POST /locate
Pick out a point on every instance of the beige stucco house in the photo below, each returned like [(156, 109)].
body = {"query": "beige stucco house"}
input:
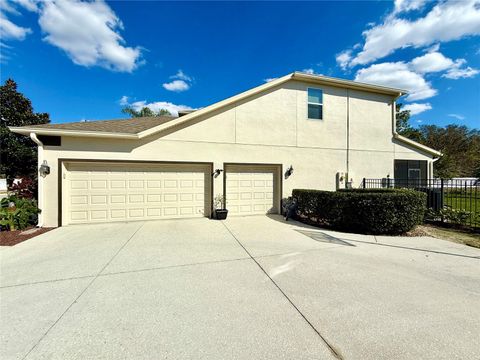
[(327, 130)]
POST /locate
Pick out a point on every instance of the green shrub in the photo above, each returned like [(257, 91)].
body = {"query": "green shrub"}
[(17, 213), (382, 211), (363, 191), (449, 215)]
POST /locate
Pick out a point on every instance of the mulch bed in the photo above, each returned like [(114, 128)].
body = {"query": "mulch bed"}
[(10, 238)]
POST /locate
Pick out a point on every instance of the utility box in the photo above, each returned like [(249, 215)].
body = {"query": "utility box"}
[(341, 180), (349, 181), (434, 199)]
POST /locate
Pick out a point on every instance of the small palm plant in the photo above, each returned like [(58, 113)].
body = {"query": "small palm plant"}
[(219, 205)]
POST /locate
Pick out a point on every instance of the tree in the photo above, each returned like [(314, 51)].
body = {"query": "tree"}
[(18, 153), (403, 124), (460, 147), (145, 112)]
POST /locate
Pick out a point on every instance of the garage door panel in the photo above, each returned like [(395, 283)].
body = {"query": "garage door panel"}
[(118, 199), (108, 192), (154, 184), (79, 199), (118, 214), (79, 185), (251, 189)]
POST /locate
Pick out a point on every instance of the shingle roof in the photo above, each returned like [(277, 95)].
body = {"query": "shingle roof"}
[(125, 126)]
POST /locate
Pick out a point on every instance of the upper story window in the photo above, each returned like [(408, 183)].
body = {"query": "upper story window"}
[(315, 104)]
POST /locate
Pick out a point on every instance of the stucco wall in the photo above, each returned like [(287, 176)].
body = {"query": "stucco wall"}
[(268, 128)]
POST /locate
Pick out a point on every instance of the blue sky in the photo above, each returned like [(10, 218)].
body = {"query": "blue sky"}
[(85, 60)]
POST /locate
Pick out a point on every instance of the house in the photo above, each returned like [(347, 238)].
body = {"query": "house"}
[(298, 131)]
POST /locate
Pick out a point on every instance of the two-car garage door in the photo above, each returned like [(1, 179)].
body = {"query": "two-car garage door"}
[(109, 192)]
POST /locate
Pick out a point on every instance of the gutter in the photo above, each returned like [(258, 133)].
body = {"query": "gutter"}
[(40, 179), (349, 84), (58, 132)]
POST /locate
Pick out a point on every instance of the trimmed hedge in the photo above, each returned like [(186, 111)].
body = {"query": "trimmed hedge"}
[(369, 211)]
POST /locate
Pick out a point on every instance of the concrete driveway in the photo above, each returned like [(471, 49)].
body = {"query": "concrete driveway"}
[(246, 288)]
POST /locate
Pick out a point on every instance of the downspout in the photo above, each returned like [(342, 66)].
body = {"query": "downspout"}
[(394, 131), (431, 166), (35, 139), (348, 135)]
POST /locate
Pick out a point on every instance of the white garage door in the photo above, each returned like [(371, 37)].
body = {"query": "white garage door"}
[(251, 189), (106, 192)]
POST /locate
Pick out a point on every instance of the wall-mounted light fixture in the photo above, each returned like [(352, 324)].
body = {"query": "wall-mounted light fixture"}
[(289, 172), (44, 169), (216, 172)]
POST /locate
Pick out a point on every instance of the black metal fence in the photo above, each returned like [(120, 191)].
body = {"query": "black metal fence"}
[(454, 201)]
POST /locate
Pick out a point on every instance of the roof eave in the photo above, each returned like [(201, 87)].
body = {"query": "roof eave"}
[(74, 133), (349, 84), (418, 145)]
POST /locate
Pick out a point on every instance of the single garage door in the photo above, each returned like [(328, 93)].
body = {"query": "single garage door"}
[(252, 189), (109, 192)]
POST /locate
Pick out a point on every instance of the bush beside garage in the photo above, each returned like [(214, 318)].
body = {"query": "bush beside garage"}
[(367, 211)]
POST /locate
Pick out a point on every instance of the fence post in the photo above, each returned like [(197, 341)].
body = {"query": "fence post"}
[(364, 183), (442, 194)]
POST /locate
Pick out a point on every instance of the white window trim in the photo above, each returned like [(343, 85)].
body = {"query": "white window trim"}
[(308, 102)]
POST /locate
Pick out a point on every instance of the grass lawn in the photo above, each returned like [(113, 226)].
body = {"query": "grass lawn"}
[(468, 200), (455, 235)]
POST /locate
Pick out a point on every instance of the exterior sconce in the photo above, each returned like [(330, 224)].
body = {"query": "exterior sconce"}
[(44, 169), (289, 172), (216, 172)]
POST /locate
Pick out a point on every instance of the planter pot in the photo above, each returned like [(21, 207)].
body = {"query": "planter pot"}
[(221, 214)]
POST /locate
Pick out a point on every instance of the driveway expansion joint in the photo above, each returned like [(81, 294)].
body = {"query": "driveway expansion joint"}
[(335, 352), (172, 266), (47, 281)]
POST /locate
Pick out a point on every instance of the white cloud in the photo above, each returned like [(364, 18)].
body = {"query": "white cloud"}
[(270, 79), (408, 5), (433, 48), (308, 71), (446, 21), (417, 108), (431, 62), (181, 76), (30, 5), (88, 32), (176, 85), (8, 29), (344, 58), (457, 116), (11, 31), (435, 62), (410, 76), (123, 100), (399, 75), (181, 83), (457, 73), (7, 7), (157, 106)]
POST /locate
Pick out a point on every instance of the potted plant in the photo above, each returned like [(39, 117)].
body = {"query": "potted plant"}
[(220, 211)]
